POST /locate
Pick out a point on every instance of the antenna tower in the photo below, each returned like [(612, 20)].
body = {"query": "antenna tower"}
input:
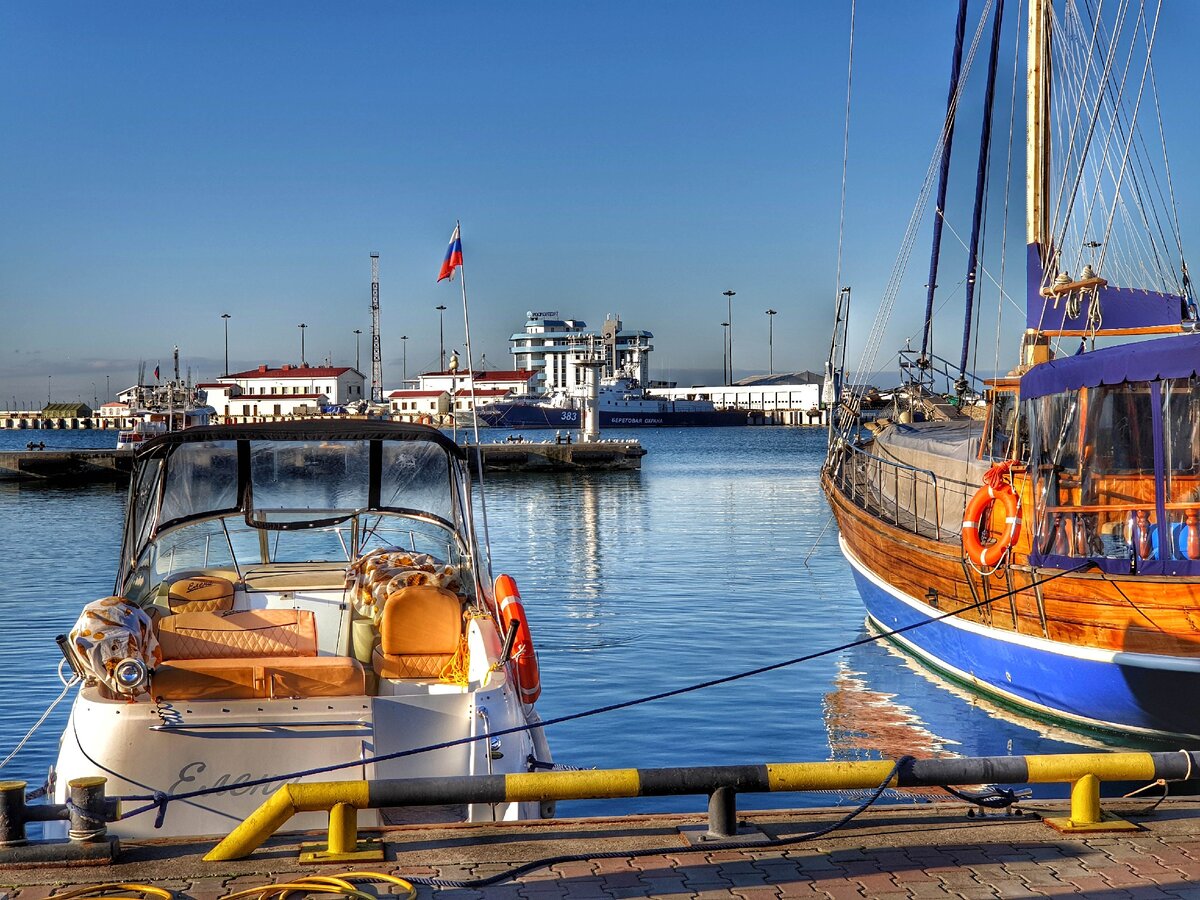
[(376, 353)]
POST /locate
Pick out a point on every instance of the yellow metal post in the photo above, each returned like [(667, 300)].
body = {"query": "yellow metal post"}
[(343, 845), (1086, 814)]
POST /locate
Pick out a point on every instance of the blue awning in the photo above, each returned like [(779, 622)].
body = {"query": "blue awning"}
[(1177, 356)]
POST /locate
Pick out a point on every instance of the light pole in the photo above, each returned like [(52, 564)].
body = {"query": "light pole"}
[(95, 399), (771, 313), (729, 295), (226, 317), (49, 378), (725, 352), (107, 388), (303, 364), (357, 345), (404, 370), (441, 338)]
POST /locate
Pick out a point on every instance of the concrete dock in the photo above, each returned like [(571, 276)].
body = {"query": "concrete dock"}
[(69, 466), (889, 852)]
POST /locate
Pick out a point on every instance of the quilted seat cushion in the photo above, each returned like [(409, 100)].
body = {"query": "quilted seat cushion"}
[(200, 593), (259, 679), (248, 634)]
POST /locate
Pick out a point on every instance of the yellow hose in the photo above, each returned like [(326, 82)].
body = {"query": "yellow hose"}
[(328, 884), (99, 889)]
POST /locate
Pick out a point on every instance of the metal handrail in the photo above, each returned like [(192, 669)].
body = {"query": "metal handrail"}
[(842, 474)]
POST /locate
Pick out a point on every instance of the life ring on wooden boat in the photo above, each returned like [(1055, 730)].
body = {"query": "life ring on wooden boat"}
[(529, 680), (973, 521)]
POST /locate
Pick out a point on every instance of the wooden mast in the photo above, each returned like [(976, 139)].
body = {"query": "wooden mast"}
[(1037, 151), (1039, 244)]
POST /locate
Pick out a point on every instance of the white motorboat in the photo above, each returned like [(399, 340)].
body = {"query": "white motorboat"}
[(295, 596)]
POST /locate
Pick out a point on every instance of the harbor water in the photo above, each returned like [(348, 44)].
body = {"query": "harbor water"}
[(716, 558)]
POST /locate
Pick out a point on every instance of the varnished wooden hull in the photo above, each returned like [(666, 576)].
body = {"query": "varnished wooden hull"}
[(1094, 650)]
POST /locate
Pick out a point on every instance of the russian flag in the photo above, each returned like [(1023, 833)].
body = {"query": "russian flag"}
[(453, 257), (156, 373)]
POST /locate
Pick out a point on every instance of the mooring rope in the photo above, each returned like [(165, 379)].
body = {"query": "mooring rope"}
[(158, 801)]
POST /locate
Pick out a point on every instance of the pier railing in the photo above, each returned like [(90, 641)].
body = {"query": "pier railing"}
[(342, 799), (905, 496)]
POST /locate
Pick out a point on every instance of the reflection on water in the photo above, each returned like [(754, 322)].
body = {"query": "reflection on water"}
[(635, 583)]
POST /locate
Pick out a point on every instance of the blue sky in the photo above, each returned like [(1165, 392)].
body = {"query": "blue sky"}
[(165, 163)]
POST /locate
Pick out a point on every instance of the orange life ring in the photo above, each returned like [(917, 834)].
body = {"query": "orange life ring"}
[(973, 521), (528, 679)]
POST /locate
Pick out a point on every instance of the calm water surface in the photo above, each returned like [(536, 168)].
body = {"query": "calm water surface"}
[(635, 583)]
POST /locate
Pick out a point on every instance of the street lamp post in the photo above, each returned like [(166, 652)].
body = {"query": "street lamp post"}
[(49, 378), (226, 317), (108, 388), (771, 313), (404, 370), (725, 352), (357, 349), (729, 295), (441, 338), (303, 364)]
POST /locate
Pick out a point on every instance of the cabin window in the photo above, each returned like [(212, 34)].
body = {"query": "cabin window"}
[(1001, 427), (1181, 452)]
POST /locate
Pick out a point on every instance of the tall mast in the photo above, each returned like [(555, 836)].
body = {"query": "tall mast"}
[(1037, 151)]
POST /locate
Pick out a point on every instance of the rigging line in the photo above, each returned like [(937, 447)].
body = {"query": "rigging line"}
[(1166, 161), (1012, 119), (845, 151), (1146, 241), (1065, 211), (1075, 121), (981, 178), (986, 271), (939, 205), (595, 711), (899, 266), (1112, 130), (1136, 107)]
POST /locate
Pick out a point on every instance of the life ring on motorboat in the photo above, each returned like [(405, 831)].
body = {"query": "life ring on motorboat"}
[(529, 680), (973, 520)]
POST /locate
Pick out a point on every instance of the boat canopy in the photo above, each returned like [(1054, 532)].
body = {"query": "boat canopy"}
[(1170, 357)]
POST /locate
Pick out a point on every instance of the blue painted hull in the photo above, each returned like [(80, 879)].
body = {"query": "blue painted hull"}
[(1114, 691)]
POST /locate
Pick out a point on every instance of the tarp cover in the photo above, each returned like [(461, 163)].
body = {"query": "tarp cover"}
[(1177, 356)]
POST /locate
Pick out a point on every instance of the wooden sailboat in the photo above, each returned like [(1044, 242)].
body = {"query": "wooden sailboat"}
[(1043, 546)]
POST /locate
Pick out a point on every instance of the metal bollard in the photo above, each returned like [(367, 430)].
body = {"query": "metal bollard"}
[(722, 814), (12, 813), (86, 809)]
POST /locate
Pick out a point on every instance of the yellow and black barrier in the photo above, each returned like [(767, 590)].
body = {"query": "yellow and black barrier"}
[(1083, 771)]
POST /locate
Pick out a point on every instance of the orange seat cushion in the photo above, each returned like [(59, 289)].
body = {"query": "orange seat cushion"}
[(200, 593), (419, 632), (258, 679), (248, 634), (409, 665)]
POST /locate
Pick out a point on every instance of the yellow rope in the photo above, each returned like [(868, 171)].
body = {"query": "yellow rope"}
[(456, 670)]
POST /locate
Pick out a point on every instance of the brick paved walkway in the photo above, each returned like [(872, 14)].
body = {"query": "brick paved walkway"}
[(887, 854)]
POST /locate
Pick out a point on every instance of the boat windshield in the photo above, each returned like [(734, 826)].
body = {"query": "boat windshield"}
[(239, 502)]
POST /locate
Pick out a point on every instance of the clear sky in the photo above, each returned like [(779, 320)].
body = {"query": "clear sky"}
[(164, 163)]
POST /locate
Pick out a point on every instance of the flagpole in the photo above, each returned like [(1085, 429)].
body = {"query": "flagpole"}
[(487, 541)]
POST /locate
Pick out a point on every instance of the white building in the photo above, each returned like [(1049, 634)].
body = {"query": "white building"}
[(276, 393), (553, 348), (414, 405), (512, 381)]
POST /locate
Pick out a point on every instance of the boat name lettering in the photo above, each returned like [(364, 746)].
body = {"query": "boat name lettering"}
[(189, 771)]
